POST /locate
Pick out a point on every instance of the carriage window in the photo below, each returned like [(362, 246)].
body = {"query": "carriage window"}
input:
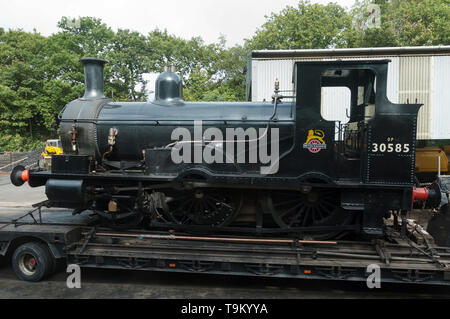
[(335, 103)]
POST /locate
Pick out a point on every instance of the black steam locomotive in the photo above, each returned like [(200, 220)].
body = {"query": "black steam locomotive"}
[(276, 167)]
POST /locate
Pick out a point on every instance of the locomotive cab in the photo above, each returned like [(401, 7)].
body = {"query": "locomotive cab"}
[(369, 131)]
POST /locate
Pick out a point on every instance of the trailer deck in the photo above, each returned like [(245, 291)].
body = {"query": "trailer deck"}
[(398, 257)]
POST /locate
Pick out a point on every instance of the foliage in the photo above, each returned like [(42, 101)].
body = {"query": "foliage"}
[(403, 23), (22, 83), (316, 26), (19, 143), (307, 26)]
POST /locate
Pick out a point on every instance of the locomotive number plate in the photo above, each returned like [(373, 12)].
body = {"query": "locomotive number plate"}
[(390, 148)]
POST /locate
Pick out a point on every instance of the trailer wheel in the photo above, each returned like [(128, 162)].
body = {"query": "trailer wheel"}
[(32, 261)]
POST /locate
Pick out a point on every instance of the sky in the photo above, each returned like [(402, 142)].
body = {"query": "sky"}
[(235, 19)]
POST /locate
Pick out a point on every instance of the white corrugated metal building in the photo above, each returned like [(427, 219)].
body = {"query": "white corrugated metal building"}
[(421, 73)]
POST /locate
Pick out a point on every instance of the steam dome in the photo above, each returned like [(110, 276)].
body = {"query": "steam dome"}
[(169, 89)]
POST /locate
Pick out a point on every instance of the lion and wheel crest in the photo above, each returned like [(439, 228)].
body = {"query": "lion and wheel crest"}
[(314, 142)]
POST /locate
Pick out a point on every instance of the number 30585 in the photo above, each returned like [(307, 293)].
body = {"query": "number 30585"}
[(390, 148)]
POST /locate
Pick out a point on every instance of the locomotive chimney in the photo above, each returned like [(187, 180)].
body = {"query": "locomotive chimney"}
[(93, 78)]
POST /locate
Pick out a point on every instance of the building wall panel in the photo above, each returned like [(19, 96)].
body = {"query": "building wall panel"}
[(414, 87), (440, 96), (264, 74)]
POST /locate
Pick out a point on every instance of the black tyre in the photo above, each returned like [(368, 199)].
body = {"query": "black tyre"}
[(32, 261)]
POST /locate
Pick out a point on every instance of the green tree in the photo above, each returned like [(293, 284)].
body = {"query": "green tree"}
[(185, 55), (85, 36), (231, 74), (403, 23), (307, 26), (210, 72), (21, 87), (130, 57)]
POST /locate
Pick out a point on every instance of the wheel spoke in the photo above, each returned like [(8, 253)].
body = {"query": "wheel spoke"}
[(205, 207), (289, 210), (211, 204), (318, 213), (324, 208), (305, 219), (292, 201), (296, 218), (330, 204)]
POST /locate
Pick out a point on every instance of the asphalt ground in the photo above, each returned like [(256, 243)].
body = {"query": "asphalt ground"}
[(124, 284), (120, 284)]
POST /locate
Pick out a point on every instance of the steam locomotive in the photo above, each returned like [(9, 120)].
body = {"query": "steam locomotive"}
[(272, 167)]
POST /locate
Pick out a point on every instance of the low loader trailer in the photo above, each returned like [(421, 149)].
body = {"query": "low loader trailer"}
[(405, 255)]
